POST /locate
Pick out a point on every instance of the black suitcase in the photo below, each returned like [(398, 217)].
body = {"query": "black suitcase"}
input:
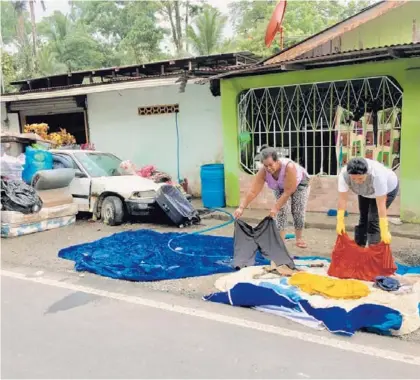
[(176, 207)]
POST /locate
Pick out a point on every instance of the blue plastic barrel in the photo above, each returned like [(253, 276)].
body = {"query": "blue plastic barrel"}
[(213, 185)]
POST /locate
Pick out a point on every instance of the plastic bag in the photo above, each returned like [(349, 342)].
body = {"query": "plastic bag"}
[(352, 261), (36, 160), (12, 167), (20, 197)]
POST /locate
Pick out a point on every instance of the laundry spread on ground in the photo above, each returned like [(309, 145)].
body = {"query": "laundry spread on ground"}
[(144, 255), (147, 255), (329, 287), (396, 313), (264, 238), (352, 261)]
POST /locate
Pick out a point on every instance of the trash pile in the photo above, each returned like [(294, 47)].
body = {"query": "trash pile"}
[(18, 196), (25, 207)]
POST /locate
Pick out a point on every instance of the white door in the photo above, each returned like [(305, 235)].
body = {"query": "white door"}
[(80, 189), (80, 186)]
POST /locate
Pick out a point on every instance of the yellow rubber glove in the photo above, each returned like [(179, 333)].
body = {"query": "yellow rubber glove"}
[(341, 228), (385, 234)]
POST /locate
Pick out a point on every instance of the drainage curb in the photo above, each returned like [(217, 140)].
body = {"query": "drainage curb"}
[(317, 225)]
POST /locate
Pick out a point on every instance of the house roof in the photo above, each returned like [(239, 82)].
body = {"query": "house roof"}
[(326, 35), (75, 90), (326, 60), (194, 65)]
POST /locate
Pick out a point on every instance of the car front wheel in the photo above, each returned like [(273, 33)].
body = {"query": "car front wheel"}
[(112, 211)]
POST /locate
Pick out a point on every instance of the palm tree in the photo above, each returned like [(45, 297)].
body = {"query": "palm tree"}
[(20, 9), (206, 33), (24, 57), (48, 64), (57, 28), (34, 33)]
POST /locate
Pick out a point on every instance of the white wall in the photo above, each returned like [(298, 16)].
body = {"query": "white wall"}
[(13, 120), (115, 126)]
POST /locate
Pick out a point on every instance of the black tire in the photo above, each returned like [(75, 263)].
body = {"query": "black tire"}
[(112, 211)]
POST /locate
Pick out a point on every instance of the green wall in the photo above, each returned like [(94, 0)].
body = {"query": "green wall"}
[(405, 71), (392, 28)]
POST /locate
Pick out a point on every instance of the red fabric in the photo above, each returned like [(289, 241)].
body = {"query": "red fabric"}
[(146, 171), (352, 261)]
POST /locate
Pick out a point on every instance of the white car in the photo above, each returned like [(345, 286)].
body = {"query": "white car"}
[(101, 189)]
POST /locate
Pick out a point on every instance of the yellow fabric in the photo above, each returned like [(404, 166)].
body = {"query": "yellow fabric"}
[(341, 228), (385, 234), (329, 287)]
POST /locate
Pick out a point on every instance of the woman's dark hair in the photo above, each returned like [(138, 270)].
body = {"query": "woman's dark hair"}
[(357, 166), (268, 152)]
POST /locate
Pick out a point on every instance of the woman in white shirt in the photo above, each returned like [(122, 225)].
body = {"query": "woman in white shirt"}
[(376, 187)]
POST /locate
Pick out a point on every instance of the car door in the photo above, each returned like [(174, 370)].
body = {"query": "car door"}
[(80, 186)]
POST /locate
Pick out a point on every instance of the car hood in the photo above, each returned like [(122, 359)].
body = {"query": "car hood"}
[(122, 185)]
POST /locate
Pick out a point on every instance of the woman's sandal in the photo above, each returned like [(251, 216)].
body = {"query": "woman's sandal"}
[(301, 244)]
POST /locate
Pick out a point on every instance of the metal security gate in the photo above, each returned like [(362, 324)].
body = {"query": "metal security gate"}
[(71, 104), (322, 125), (68, 112)]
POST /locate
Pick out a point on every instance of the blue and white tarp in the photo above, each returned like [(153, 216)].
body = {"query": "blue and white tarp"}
[(382, 312)]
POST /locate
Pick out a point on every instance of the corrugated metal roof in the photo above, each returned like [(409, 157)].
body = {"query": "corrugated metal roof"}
[(90, 89), (336, 30), (327, 60), (367, 51), (190, 64)]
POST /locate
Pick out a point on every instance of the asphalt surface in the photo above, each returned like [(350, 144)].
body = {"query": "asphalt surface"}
[(57, 323), (57, 332)]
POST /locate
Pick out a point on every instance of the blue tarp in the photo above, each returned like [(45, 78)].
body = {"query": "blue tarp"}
[(377, 318), (144, 255)]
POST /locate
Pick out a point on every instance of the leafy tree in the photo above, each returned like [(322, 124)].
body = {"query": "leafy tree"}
[(8, 71), (302, 19), (34, 31), (48, 63), (206, 33), (178, 15), (127, 30), (70, 42)]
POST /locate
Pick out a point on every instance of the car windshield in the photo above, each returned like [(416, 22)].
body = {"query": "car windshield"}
[(99, 164)]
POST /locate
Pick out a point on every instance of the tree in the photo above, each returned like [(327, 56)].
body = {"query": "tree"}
[(302, 19), (70, 42), (34, 32), (8, 71), (20, 10), (206, 34), (178, 18), (129, 29), (48, 64)]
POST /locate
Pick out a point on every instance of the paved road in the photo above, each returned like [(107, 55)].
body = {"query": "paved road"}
[(61, 329)]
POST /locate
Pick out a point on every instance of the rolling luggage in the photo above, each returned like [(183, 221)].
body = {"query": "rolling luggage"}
[(176, 206)]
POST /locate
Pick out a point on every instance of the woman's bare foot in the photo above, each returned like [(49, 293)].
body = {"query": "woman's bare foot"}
[(300, 243)]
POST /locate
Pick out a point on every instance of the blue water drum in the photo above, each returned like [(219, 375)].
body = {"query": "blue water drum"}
[(213, 185)]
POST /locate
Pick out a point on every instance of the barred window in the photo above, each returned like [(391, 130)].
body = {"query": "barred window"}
[(322, 125)]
